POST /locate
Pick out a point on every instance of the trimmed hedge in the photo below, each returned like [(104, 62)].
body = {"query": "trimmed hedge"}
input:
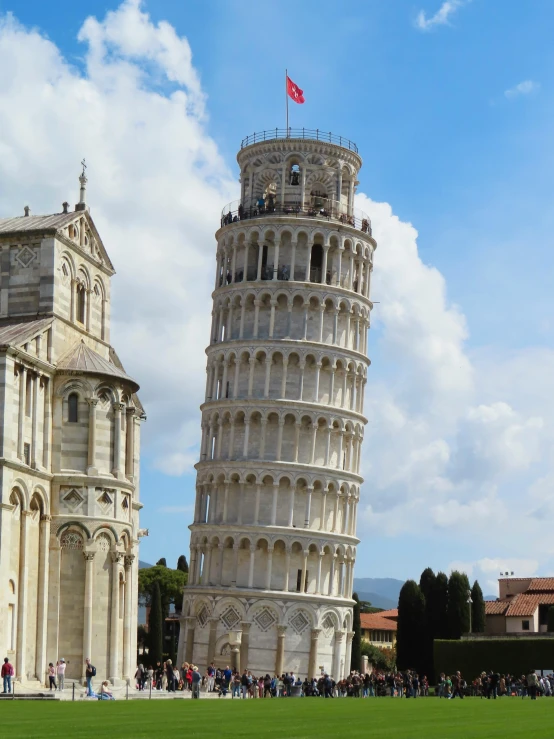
[(516, 656)]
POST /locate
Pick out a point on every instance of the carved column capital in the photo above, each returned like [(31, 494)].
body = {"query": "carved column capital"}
[(281, 631), (129, 559), (88, 556), (116, 557)]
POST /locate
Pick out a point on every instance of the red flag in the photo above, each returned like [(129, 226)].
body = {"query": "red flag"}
[(294, 91)]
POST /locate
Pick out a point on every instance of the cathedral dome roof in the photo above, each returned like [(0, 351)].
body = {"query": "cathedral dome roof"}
[(82, 359)]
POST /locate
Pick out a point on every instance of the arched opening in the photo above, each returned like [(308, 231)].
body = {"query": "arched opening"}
[(316, 263), (81, 303), (73, 408)]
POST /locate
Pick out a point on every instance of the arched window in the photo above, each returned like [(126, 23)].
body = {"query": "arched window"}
[(81, 303), (73, 408)]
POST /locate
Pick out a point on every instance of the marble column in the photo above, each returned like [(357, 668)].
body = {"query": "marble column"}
[(21, 642), (244, 644), (117, 409), (89, 600), (280, 654), (34, 422), (91, 468), (312, 659), (212, 639), (127, 618), (130, 443), (21, 416), (251, 565), (348, 657), (337, 649), (46, 434), (191, 623), (114, 617), (269, 568), (42, 600)]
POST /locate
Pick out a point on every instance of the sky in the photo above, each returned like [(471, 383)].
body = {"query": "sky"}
[(451, 105)]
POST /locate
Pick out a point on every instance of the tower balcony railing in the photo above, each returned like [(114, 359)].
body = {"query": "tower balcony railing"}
[(310, 134), (317, 207)]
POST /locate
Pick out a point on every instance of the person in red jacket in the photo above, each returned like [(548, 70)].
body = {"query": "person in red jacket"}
[(7, 674)]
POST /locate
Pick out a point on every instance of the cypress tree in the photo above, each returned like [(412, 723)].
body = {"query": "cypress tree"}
[(477, 609), (438, 609), (182, 564), (162, 562), (458, 606), (155, 626), (356, 658), (427, 585), (426, 582), (550, 619), (411, 622)]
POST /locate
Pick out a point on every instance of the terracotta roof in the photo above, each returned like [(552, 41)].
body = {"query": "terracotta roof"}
[(83, 359), (496, 607), (377, 621), (18, 333), (391, 613), (541, 584)]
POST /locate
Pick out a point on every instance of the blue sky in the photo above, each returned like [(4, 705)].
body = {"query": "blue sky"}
[(452, 112)]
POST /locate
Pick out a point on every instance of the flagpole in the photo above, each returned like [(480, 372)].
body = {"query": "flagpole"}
[(287, 99)]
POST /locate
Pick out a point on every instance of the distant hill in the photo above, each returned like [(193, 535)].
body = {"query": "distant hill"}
[(381, 592), (143, 565)]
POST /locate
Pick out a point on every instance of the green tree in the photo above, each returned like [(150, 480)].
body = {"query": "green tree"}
[(477, 609), (458, 606), (155, 626), (356, 657), (426, 582), (437, 612), (380, 659), (411, 624), (162, 562), (427, 585), (182, 564), (170, 583)]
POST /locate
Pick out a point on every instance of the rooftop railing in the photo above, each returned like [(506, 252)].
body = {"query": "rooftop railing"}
[(299, 133), (317, 207)]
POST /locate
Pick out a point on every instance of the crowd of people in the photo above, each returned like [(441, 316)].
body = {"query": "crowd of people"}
[(377, 684)]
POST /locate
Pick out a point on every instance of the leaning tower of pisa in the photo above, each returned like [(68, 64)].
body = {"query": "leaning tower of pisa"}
[(273, 542)]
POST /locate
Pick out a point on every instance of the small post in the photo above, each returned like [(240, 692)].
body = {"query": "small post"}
[(150, 698), (127, 691), (73, 695)]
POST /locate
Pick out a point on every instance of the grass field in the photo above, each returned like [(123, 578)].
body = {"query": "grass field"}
[(291, 719)]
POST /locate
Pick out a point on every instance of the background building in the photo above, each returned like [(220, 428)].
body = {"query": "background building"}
[(69, 449), (378, 629), (522, 607), (273, 541)]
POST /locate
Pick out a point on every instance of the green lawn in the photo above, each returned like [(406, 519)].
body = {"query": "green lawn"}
[(304, 718)]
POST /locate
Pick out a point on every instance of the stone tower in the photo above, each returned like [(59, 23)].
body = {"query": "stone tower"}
[(69, 449), (273, 542)]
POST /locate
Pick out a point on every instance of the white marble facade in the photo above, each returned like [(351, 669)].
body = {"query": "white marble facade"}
[(69, 447), (273, 542)]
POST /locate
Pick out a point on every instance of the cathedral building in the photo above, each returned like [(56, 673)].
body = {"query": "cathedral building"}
[(69, 454), (273, 541)]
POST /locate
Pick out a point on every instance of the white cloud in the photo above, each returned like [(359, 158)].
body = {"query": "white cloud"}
[(441, 17), (487, 570), (156, 188), (523, 88)]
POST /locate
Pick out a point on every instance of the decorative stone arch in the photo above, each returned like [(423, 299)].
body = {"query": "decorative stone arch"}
[(329, 621), (78, 385), (40, 494), (106, 389), (222, 611), (83, 530), (20, 489), (110, 532)]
